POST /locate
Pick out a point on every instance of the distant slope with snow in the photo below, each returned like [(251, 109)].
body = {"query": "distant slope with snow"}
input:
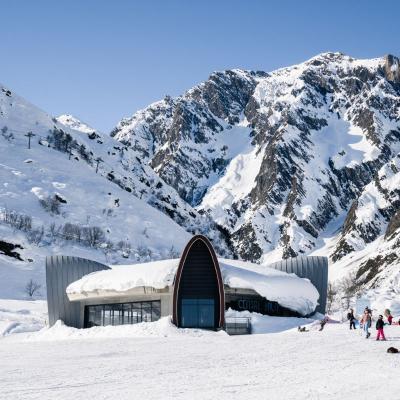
[(299, 160), (276, 158), (53, 201)]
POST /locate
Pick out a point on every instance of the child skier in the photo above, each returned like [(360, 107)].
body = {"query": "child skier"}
[(379, 327)]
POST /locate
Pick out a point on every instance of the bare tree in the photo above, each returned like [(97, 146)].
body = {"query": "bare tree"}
[(93, 235), (32, 288), (54, 230), (144, 252), (173, 253), (7, 136), (36, 235), (348, 288), (107, 248), (51, 204), (18, 221), (331, 296)]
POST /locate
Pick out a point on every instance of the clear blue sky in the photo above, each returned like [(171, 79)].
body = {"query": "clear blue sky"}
[(103, 60)]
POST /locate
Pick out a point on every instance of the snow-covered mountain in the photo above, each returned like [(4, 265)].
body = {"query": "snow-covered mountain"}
[(75, 124), (279, 158), (300, 160), (78, 191)]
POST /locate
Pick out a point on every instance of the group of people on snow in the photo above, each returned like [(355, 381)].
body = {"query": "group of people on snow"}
[(366, 322)]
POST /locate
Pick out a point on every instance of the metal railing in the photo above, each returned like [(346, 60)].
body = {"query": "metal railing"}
[(238, 325)]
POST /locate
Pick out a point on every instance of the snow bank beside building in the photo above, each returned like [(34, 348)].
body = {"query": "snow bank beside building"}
[(161, 328), (17, 316), (288, 290), (261, 324)]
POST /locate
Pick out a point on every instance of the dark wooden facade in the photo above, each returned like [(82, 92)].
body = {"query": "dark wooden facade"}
[(199, 276)]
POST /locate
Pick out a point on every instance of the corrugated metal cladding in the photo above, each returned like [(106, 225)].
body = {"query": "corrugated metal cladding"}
[(312, 267), (60, 272)]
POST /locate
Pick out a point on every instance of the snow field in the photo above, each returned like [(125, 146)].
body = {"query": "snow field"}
[(333, 364), (22, 316)]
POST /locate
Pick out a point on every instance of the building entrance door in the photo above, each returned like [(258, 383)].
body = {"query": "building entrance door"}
[(198, 313)]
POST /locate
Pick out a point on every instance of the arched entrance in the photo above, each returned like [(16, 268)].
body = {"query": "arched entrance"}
[(199, 300)]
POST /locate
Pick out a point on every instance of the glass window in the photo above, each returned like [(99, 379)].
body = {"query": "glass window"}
[(146, 312), (155, 310), (108, 314), (118, 314), (206, 313), (98, 316), (127, 311), (122, 313), (136, 313), (197, 313)]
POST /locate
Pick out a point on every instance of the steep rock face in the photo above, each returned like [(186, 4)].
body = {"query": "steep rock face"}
[(374, 213), (328, 125), (275, 157), (190, 140), (392, 68)]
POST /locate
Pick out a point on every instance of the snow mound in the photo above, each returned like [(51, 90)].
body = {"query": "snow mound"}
[(17, 316), (262, 324), (161, 328), (120, 278), (288, 290)]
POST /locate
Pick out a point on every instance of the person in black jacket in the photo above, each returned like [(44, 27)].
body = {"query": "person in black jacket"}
[(352, 320), (379, 327)]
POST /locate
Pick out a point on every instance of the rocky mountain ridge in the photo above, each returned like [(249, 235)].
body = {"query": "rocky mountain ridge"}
[(277, 157), (301, 160)]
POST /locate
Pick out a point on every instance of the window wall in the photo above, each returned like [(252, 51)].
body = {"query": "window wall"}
[(122, 313), (198, 313)]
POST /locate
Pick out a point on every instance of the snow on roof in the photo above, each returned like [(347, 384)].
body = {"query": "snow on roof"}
[(288, 290)]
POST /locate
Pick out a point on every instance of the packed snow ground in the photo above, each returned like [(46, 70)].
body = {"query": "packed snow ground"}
[(22, 316), (333, 364)]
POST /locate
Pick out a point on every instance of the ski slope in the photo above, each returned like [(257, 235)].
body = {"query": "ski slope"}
[(187, 364)]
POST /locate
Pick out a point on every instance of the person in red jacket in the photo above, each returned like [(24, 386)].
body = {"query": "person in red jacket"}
[(379, 327), (390, 319)]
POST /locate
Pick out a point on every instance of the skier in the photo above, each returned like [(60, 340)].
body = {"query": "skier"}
[(379, 327), (323, 323), (351, 318), (366, 323)]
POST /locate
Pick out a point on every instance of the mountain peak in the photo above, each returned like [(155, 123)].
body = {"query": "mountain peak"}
[(75, 123)]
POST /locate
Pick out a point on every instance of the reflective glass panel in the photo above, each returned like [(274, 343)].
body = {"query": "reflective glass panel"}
[(122, 313), (197, 313)]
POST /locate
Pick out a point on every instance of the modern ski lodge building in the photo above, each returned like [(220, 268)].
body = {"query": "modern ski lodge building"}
[(196, 290)]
